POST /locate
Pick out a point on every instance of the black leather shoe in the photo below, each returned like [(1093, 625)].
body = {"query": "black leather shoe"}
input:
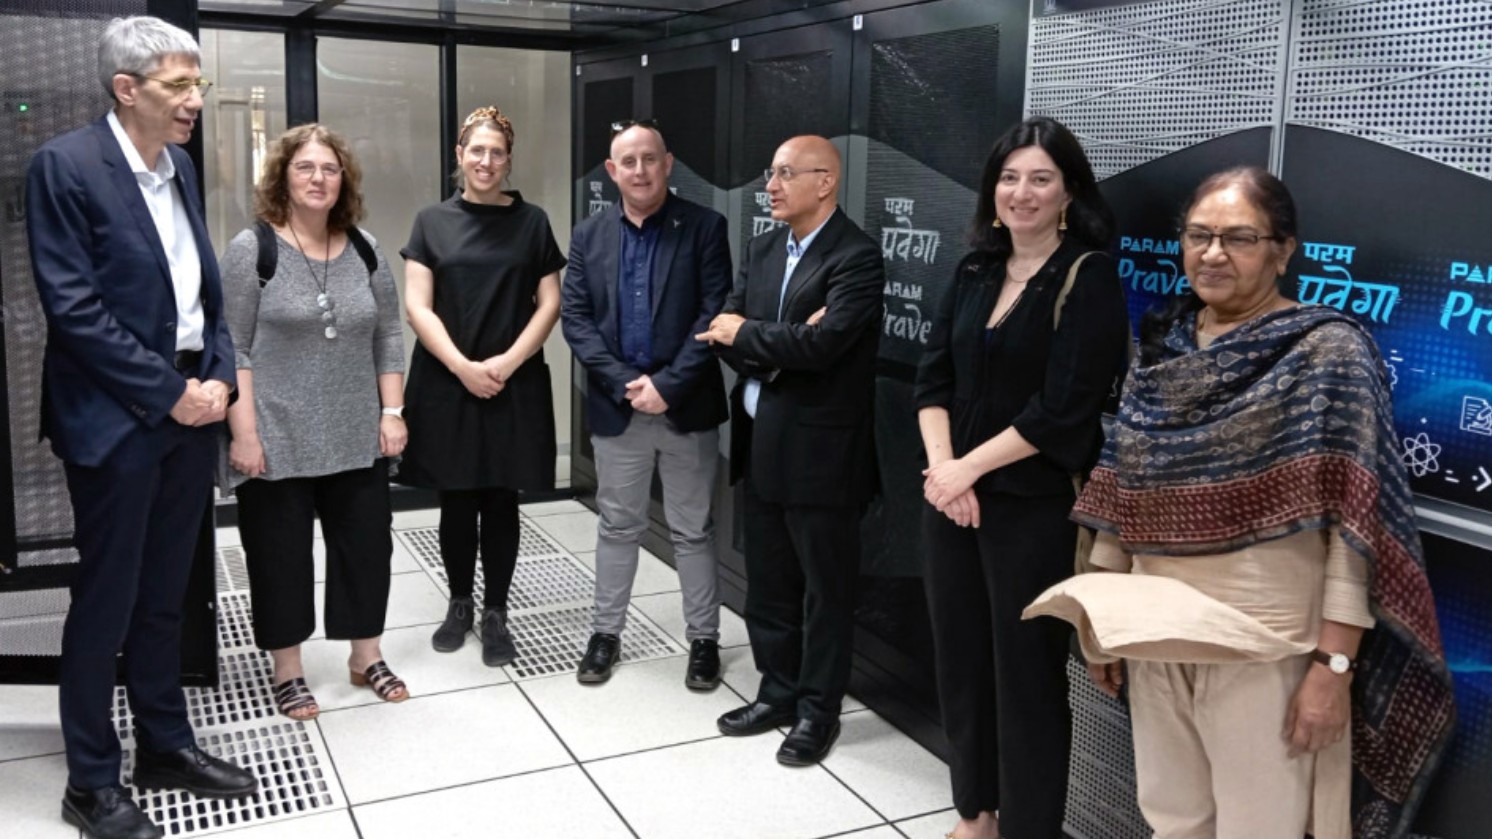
[(107, 813), (195, 771), (808, 743), (756, 718), (704, 665), (600, 655)]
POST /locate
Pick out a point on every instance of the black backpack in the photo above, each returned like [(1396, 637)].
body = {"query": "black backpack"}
[(269, 252)]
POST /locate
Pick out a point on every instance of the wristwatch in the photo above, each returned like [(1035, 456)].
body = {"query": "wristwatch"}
[(394, 412), (1335, 662)]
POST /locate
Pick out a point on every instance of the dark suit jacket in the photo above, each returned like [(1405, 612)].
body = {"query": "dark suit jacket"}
[(105, 288), (691, 277), (813, 439)]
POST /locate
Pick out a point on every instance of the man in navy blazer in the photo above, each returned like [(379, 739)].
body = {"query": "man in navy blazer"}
[(138, 370), (643, 278), (802, 326)]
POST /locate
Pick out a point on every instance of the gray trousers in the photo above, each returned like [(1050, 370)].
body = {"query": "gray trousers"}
[(624, 476)]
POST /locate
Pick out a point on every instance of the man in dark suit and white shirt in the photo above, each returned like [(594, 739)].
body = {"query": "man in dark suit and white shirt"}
[(643, 277), (138, 367), (801, 329)]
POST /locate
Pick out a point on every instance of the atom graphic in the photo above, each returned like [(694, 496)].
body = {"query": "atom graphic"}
[(1421, 455)]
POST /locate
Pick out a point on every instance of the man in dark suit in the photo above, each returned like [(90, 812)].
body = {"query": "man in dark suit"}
[(800, 328), (138, 367), (643, 278)]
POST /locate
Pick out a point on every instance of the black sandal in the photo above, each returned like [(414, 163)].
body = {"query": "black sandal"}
[(294, 700), (381, 679)]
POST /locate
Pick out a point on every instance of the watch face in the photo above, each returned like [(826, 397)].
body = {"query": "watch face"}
[(1339, 663)]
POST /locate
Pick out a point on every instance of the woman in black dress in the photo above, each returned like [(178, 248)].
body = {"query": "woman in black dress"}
[(1009, 408), (481, 288)]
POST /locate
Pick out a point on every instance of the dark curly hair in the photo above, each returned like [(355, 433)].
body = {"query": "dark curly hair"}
[(272, 195), (1269, 195), (1088, 216)]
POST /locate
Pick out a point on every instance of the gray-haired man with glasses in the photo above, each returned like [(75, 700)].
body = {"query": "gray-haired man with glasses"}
[(138, 369)]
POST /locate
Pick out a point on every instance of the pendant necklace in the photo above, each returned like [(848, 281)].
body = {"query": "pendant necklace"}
[(323, 300)]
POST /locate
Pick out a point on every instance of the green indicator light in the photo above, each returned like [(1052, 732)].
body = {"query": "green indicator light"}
[(23, 107)]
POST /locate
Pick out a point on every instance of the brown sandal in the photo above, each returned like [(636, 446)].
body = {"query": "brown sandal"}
[(294, 700), (382, 681)]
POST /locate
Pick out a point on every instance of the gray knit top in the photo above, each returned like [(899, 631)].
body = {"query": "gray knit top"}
[(315, 399)]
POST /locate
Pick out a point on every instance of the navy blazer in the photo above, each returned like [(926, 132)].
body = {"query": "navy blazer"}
[(105, 288), (813, 439), (691, 277)]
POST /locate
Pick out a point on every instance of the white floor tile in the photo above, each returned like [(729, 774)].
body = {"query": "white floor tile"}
[(31, 798), (414, 600), (332, 825), (740, 674), (407, 652), (667, 610), (574, 531), (654, 576), (887, 768), (409, 519), (29, 721), (227, 537), (882, 832), (553, 804), (430, 742), (931, 826), (645, 705), (552, 508), (727, 788)]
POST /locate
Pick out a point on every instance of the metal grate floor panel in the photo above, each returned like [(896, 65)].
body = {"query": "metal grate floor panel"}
[(232, 570), (552, 641), (242, 695), (290, 760), (235, 621)]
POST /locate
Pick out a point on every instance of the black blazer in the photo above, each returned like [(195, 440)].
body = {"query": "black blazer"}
[(813, 439), (691, 277), (105, 288)]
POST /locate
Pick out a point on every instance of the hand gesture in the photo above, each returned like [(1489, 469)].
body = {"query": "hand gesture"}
[(478, 379), (246, 455), (644, 397)]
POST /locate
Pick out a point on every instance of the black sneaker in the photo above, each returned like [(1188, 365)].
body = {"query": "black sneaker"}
[(704, 665), (600, 654), (107, 813), (497, 641), (452, 632)]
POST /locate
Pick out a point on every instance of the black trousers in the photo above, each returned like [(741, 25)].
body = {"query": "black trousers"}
[(276, 521), (136, 518), (460, 534), (1002, 681), (801, 567)]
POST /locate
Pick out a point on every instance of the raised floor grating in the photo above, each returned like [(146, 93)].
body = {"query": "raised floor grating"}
[(553, 641), (232, 570), (424, 545), (242, 694), (290, 760), (235, 621)]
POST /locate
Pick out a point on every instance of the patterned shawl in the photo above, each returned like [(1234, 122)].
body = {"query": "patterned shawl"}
[(1282, 425)]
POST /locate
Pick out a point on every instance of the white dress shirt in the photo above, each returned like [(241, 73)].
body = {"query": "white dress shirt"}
[(795, 251)]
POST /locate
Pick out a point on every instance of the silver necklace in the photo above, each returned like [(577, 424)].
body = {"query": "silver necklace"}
[(323, 300)]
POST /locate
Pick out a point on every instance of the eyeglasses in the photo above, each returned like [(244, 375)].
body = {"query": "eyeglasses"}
[(180, 87), (328, 314), (305, 170), (1233, 241), (498, 155), (623, 124), (786, 173)]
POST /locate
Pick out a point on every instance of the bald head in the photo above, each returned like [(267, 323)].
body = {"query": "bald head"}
[(810, 193)]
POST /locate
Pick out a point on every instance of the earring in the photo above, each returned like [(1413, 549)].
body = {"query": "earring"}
[(1062, 222), (996, 223)]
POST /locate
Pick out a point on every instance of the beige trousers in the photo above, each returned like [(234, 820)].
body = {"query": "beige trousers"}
[(1210, 760)]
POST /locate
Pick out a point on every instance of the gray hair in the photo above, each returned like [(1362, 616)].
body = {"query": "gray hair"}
[(136, 45)]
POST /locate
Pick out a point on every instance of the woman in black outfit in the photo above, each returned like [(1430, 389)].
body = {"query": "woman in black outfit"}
[(481, 288), (1009, 410)]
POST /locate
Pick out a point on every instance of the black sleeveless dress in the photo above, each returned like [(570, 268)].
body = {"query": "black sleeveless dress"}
[(487, 261)]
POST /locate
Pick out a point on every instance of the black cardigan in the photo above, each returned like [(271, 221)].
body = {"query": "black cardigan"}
[(1052, 386)]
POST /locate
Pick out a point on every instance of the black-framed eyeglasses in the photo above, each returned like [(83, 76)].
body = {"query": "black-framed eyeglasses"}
[(786, 173), (178, 86), (623, 124), (1233, 241)]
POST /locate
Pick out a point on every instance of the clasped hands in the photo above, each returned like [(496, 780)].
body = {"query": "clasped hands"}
[(949, 487), (202, 403), (724, 327), (486, 379)]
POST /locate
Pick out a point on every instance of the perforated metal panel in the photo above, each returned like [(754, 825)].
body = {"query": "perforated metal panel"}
[(1412, 74), (552, 641), (1140, 81), (1101, 780), (243, 695)]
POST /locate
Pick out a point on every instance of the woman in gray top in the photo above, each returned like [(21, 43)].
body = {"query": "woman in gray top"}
[(315, 320)]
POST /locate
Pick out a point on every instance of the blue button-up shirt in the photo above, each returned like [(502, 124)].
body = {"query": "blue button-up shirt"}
[(795, 251), (639, 247)]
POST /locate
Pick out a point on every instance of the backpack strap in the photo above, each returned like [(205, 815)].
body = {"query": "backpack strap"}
[(269, 251), (1072, 276), (364, 248)]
